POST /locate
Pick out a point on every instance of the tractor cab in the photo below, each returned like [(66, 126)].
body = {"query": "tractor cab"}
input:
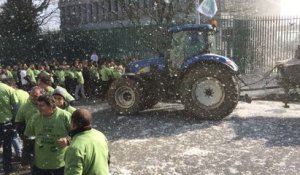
[(189, 41)]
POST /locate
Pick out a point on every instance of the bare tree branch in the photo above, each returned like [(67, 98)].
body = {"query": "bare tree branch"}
[(44, 5), (42, 18)]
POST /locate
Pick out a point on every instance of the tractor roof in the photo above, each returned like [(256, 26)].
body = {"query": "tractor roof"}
[(190, 27)]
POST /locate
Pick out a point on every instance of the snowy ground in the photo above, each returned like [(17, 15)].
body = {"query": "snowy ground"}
[(261, 138)]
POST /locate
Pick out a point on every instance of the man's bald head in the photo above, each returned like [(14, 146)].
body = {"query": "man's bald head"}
[(82, 118)]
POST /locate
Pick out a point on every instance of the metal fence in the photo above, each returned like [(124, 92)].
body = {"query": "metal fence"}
[(257, 43)]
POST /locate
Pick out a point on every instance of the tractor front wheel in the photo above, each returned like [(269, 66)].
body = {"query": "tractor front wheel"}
[(210, 91), (124, 96)]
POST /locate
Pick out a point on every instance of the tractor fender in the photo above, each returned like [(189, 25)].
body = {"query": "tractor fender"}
[(210, 58), (140, 78)]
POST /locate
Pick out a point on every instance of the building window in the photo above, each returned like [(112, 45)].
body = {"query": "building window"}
[(84, 13), (90, 13), (78, 20), (115, 5), (63, 15), (68, 14), (103, 7), (145, 4), (109, 6), (96, 5), (150, 3), (95, 11)]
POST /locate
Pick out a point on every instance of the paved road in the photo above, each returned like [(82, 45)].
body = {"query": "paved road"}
[(261, 138)]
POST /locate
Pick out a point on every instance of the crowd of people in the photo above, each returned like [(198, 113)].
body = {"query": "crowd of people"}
[(82, 79), (49, 136)]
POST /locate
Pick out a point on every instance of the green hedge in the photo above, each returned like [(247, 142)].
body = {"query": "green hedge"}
[(109, 43)]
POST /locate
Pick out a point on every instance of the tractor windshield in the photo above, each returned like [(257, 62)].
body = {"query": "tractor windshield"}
[(186, 44)]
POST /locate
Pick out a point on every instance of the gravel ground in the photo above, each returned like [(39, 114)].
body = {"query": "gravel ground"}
[(261, 138)]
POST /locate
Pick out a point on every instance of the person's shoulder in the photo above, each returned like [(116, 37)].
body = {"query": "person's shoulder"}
[(98, 133), (21, 91), (5, 87), (28, 104), (75, 147), (62, 112), (71, 109), (36, 117)]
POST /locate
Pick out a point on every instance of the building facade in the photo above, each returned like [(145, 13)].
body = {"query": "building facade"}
[(91, 14), (109, 13)]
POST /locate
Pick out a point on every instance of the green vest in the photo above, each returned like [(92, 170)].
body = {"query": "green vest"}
[(87, 154)]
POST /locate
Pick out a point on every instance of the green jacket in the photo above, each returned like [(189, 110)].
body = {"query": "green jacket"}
[(15, 75), (26, 111), (116, 74), (8, 100), (23, 96), (49, 90), (9, 74), (60, 74), (69, 73), (36, 72), (70, 109), (94, 72), (87, 154), (31, 75), (105, 73), (79, 77)]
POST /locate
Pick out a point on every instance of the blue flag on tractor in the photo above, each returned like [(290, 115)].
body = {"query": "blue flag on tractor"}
[(208, 8)]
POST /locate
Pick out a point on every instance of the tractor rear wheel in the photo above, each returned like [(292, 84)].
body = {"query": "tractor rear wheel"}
[(210, 91), (125, 96)]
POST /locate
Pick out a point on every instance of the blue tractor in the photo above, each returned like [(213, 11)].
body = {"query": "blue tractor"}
[(207, 84)]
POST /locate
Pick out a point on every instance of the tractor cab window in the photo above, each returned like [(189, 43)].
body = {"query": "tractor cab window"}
[(186, 44), (196, 43)]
